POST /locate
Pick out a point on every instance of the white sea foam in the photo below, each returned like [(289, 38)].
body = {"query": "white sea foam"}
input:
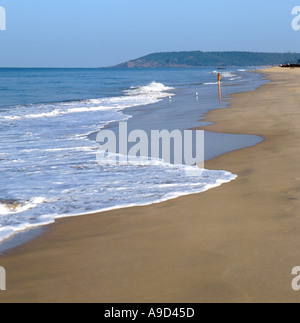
[(226, 74), (43, 115), (11, 117), (154, 89), (13, 207), (168, 191), (211, 83), (136, 185)]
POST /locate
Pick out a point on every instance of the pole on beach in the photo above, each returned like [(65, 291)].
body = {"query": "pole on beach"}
[(219, 83)]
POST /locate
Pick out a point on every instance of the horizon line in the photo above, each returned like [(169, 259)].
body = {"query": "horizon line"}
[(160, 52)]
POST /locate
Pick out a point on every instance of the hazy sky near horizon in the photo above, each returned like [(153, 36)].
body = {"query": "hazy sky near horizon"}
[(94, 33)]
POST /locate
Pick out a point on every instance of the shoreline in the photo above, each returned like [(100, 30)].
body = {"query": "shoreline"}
[(191, 118), (215, 252)]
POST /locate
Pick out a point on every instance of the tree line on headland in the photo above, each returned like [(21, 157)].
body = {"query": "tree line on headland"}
[(206, 59)]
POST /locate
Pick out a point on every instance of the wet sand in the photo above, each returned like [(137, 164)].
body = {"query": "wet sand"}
[(235, 243)]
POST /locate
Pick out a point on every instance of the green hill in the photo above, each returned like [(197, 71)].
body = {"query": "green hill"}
[(202, 59)]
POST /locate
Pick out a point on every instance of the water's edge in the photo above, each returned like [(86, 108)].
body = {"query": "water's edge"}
[(135, 112)]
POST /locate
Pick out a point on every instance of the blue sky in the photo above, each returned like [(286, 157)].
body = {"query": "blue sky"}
[(93, 33)]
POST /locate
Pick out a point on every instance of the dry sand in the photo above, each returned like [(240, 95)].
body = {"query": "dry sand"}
[(236, 243)]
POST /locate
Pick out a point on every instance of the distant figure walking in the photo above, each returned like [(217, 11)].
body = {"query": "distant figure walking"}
[(219, 83)]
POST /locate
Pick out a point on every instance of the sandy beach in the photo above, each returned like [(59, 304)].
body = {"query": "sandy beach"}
[(235, 243)]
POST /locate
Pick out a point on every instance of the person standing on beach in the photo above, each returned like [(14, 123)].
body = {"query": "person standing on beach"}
[(219, 83)]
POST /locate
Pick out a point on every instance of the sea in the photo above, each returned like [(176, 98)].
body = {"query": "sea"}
[(49, 119)]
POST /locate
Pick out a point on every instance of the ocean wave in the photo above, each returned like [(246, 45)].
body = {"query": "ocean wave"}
[(153, 89), (135, 96), (15, 206), (159, 183), (226, 74), (211, 83)]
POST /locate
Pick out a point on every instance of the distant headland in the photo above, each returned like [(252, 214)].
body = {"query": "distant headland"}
[(206, 59)]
